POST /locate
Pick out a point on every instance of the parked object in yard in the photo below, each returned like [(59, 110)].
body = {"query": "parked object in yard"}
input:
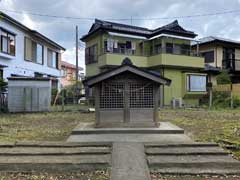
[(29, 94)]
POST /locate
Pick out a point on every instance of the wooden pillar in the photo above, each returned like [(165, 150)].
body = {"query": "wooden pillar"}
[(161, 95), (197, 48), (156, 93), (97, 103), (126, 102), (143, 46), (231, 95)]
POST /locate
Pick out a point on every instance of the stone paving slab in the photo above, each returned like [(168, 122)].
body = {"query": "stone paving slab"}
[(129, 162)]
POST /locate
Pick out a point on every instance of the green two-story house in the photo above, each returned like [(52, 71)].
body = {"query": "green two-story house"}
[(165, 50)]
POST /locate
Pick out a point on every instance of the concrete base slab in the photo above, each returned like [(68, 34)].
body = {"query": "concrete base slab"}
[(164, 128), (144, 138)]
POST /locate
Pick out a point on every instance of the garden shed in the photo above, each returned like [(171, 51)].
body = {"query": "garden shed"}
[(27, 94), (126, 96)]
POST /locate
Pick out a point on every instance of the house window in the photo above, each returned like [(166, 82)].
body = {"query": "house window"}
[(1, 73), (64, 72), (185, 49), (91, 54), (8, 42), (209, 56), (169, 48), (157, 49), (196, 83), (52, 60), (33, 51)]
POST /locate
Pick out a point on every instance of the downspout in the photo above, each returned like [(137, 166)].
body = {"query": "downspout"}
[(163, 91), (216, 56)]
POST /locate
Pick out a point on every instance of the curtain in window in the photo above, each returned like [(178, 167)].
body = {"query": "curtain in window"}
[(197, 83), (28, 49)]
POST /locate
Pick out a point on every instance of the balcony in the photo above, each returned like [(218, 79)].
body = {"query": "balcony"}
[(175, 57), (231, 64), (160, 56)]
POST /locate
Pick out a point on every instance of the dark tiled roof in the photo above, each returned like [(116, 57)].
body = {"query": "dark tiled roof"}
[(211, 39), (211, 69), (172, 28)]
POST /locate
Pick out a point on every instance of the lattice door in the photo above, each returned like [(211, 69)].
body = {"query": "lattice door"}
[(112, 95), (141, 95)]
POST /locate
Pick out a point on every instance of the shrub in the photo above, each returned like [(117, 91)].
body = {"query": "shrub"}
[(223, 78)]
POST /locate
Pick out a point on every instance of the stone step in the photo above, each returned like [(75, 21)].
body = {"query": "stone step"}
[(53, 163), (56, 144), (189, 159), (212, 150), (197, 171), (49, 151), (194, 164), (127, 131), (192, 144)]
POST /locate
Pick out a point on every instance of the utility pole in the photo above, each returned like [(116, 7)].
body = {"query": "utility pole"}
[(77, 53), (76, 65)]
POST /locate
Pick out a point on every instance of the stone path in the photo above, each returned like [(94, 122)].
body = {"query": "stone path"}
[(129, 162)]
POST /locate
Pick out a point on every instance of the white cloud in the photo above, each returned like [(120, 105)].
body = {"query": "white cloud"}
[(70, 56), (28, 22)]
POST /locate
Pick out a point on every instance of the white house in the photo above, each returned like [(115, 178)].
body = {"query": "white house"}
[(26, 52)]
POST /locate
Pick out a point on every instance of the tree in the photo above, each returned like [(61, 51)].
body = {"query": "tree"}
[(3, 86), (223, 78)]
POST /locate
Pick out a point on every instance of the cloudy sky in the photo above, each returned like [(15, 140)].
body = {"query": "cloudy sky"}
[(62, 30)]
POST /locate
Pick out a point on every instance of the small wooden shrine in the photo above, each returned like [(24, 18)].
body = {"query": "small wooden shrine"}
[(126, 96)]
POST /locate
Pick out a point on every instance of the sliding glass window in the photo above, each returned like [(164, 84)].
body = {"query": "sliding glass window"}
[(196, 83), (33, 51), (8, 42)]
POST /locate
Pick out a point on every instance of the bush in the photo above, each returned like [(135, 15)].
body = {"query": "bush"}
[(223, 78), (223, 100)]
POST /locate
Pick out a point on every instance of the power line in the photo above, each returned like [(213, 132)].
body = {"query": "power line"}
[(123, 19)]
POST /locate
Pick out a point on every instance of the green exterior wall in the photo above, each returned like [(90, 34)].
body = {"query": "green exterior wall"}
[(172, 66), (177, 89)]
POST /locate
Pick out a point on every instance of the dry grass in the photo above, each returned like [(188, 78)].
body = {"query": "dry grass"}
[(92, 175), (54, 126), (207, 126)]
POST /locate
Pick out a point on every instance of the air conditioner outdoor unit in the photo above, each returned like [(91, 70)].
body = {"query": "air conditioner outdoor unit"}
[(177, 103)]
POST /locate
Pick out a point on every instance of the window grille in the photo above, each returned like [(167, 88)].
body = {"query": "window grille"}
[(112, 95), (141, 96)]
